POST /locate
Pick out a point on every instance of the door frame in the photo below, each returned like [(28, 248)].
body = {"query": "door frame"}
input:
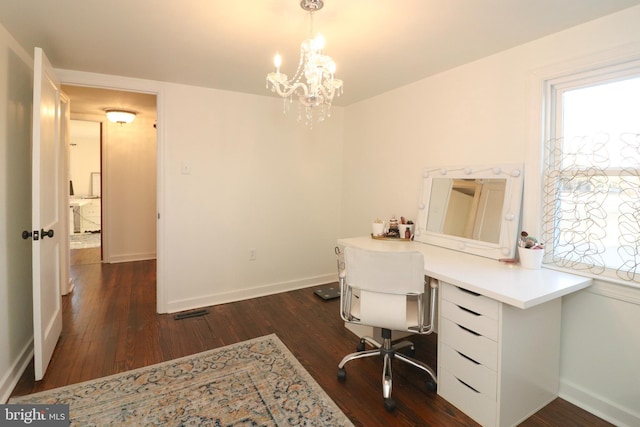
[(66, 285), (103, 81)]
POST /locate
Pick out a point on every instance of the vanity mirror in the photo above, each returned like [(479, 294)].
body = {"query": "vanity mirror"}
[(473, 209)]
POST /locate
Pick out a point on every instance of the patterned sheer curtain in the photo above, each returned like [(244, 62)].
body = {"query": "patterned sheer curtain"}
[(591, 218)]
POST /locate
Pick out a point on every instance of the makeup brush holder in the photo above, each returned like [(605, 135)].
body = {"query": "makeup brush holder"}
[(530, 258)]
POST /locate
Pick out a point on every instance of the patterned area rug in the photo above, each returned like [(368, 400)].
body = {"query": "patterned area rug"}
[(252, 383)]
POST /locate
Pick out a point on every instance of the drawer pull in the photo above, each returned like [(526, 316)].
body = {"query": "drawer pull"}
[(468, 330), (468, 291), (475, 313), (467, 357), (465, 384)]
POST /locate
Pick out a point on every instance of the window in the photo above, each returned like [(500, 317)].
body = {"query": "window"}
[(591, 189)]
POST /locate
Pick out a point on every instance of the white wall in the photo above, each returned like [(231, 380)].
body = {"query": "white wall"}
[(84, 155), (129, 193), (258, 179), (482, 113), (600, 351), (16, 314)]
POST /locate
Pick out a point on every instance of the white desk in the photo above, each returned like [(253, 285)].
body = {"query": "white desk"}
[(499, 344), (74, 214), (87, 216)]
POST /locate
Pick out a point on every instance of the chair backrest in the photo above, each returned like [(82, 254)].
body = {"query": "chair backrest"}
[(386, 272), (383, 281)]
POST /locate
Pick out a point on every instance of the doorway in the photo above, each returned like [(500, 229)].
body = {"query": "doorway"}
[(113, 174), (85, 212)]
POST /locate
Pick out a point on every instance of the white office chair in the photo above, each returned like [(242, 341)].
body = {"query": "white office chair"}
[(385, 290)]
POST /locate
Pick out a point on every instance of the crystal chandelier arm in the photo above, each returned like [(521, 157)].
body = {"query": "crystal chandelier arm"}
[(282, 86), (285, 87), (323, 96)]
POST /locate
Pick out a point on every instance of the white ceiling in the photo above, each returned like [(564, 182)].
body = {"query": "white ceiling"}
[(378, 45)]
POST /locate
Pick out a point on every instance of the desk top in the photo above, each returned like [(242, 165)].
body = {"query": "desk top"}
[(507, 283), (78, 202)]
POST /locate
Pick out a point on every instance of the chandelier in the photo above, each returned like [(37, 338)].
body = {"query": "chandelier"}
[(313, 83)]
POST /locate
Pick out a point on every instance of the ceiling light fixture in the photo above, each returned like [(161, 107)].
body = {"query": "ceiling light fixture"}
[(313, 83), (120, 116)]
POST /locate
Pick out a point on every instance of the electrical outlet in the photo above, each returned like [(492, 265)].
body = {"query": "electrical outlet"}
[(252, 254)]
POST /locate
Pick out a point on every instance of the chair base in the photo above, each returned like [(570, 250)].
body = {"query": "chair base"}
[(389, 352)]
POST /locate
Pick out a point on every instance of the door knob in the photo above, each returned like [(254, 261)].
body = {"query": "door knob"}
[(48, 233), (26, 234)]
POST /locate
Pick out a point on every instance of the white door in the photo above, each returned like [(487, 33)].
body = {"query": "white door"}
[(46, 222)]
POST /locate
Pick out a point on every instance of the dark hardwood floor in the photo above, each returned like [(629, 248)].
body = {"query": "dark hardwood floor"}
[(110, 326), (85, 256)]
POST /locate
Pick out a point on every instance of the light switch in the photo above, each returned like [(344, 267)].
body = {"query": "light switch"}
[(186, 168)]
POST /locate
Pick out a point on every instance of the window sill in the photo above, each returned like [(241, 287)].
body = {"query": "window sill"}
[(606, 286)]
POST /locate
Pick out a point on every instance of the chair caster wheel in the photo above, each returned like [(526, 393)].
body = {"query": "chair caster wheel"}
[(431, 384), (361, 346), (389, 404), (342, 374)]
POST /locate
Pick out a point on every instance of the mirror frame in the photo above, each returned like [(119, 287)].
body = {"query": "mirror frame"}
[(506, 246)]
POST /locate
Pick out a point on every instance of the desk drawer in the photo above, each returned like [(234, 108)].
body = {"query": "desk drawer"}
[(91, 211), (477, 322), (470, 300), (479, 348), (474, 374), (470, 401)]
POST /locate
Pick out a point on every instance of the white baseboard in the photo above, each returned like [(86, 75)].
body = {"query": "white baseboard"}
[(243, 294), (11, 378), (131, 257), (69, 288), (599, 406)]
